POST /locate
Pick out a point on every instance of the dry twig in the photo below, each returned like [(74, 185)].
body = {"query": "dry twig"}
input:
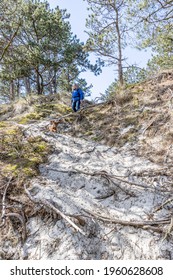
[(162, 205)]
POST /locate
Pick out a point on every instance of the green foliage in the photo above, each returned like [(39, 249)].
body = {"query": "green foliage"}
[(107, 30), (43, 55), (39, 53), (163, 49), (21, 156), (134, 75), (29, 117), (153, 22), (111, 90)]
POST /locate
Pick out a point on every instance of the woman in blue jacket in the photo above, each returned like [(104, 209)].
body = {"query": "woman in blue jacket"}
[(77, 96)]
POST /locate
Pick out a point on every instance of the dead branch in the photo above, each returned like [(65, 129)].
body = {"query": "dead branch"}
[(108, 176), (150, 123), (22, 220), (143, 224), (4, 214), (162, 205), (106, 196), (57, 211), (169, 229), (89, 151)]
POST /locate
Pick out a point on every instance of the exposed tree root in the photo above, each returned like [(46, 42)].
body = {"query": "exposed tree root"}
[(151, 225), (6, 212)]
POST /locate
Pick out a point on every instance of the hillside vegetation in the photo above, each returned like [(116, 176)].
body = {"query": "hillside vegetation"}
[(136, 119), (139, 116)]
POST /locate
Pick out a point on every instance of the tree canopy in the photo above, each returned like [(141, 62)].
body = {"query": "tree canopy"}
[(114, 25), (38, 51)]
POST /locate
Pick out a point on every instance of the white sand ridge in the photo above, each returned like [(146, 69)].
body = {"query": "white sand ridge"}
[(120, 203)]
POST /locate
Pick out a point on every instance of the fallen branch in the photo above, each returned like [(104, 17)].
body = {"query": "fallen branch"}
[(140, 185), (57, 211), (150, 123), (4, 214), (106, 175), (106, 195), (163, 204), (88, 151), (169, 229), (143, 224), (22, 220)]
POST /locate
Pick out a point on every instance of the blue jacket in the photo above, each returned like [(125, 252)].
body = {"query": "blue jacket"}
[(77, 95)]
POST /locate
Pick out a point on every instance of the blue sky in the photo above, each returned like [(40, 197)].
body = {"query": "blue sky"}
[(78, 13)]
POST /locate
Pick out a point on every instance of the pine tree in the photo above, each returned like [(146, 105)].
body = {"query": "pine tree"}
[(107, 30)]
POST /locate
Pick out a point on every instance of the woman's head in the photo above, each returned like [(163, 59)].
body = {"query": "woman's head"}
[(75, 86)]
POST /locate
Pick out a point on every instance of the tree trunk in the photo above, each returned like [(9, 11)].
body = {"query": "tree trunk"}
[(18, 88), (50, 87), (38, 82), (12, 91), (41, 84), (27, 85), (54, 82), (120, 67)]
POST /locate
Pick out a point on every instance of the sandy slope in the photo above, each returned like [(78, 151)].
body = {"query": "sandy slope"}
[(101, 190)]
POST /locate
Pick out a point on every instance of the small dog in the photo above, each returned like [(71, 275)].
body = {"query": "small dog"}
[(53, 126)]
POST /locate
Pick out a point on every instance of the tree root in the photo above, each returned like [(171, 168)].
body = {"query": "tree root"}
[(109, 178), (5, 214), (143, 224)]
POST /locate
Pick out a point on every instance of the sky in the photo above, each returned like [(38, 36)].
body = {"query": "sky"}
[(78, 14)]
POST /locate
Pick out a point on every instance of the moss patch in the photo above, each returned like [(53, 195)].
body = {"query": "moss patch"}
[(29, 117), (41, 111), (21, 156)]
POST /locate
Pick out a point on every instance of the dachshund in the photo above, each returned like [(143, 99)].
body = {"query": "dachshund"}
[(53, 126)]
